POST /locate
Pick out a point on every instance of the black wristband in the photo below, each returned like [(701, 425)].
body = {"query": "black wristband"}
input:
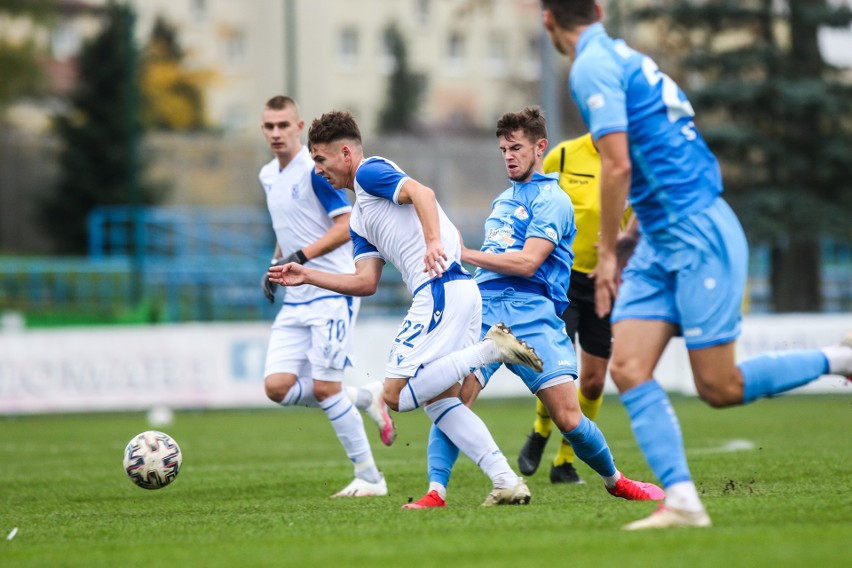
[(297, 257)]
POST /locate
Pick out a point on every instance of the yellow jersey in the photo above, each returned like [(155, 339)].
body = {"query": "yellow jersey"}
[(579, 166)]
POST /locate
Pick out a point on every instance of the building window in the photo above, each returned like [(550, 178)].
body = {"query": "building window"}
[(387, 58), (455, 52), (495, 56), (349, 47)]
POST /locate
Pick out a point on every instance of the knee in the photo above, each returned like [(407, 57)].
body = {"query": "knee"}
[(592, 384), (325, 389), (276, 387), (719, 394), (567, 419), (391, 395), (627, 373)]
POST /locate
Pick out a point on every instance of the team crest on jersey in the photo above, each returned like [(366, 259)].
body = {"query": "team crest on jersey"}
[(521, 213), (501, 236), (294, 191)]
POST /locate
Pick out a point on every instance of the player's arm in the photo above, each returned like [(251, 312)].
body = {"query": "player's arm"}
[(616, 170), (426, 205), (522, 262), (336, 235), (363, 282)]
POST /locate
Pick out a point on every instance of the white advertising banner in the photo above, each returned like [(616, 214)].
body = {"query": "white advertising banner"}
[(221, 365)]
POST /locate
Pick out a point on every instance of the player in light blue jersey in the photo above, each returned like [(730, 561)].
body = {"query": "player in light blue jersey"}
[(687, 275), (523, 271), (397, 219)]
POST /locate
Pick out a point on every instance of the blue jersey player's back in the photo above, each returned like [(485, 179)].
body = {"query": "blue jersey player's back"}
[(619, 89)]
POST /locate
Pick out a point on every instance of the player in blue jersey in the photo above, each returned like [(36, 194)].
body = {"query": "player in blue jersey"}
[(395, 218), (523, 271), (687, 275), (304, 363)]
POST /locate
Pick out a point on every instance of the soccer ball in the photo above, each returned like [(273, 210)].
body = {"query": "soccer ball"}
[(152, 459)]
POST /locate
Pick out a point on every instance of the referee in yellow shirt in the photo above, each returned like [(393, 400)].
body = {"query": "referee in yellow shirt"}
[(579, 166)]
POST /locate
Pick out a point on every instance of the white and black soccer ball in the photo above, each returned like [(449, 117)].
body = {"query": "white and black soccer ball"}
[(152, 459)]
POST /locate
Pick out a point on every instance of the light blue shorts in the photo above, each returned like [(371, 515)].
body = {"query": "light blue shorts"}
[(532, 318), (691, 274)]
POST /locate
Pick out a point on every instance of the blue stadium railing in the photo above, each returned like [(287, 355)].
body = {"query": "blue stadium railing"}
[(192, 264), (205, 264)]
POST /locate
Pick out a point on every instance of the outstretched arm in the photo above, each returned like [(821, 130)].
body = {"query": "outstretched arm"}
[(364, 282)]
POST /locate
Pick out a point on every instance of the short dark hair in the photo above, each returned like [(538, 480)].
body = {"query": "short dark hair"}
[(333, 126), (280, 102), (530, 121), (572, 13)]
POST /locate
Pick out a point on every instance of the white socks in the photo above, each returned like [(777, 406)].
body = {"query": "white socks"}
[(683, 496), (300, 394), (437, 376), (349, 427), (360, 397), (470, 434)]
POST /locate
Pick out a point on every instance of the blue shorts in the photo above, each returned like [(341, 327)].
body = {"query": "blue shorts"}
[(691, 274), (532, 318)]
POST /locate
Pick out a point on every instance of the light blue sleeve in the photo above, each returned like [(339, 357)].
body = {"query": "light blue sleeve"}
[(381, 179), (551, 217), (597, 88)]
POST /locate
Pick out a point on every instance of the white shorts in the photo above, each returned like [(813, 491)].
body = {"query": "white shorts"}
[(314, 339), (443, 318)]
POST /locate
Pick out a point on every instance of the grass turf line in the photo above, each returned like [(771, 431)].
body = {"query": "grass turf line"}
[(254, 491)]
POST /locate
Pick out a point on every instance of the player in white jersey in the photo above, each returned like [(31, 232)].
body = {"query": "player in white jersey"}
[(397, 219), (311, 342)]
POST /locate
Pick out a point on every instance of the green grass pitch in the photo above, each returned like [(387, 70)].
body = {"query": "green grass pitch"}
[(255, 485)]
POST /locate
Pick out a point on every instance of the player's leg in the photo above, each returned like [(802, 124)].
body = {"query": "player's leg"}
[(590, 395), (594, 335), (529, 458), (589, 442), (330, 353), (412, 382), (442, 454), (709, 297), (286, 374)]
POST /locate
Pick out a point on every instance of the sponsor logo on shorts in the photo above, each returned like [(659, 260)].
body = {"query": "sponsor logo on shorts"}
[(692, 332)]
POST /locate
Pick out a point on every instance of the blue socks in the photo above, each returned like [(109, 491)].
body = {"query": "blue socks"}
[(590, 446), (773, 373), (657, 432), (441, 456)]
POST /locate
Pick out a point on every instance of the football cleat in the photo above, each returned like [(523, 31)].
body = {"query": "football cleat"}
[(668, 518), (513, 350), (517, 495), (363, 488), (530, 456), (636, 490), (431, 500), (378, 413), (565, 473)]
